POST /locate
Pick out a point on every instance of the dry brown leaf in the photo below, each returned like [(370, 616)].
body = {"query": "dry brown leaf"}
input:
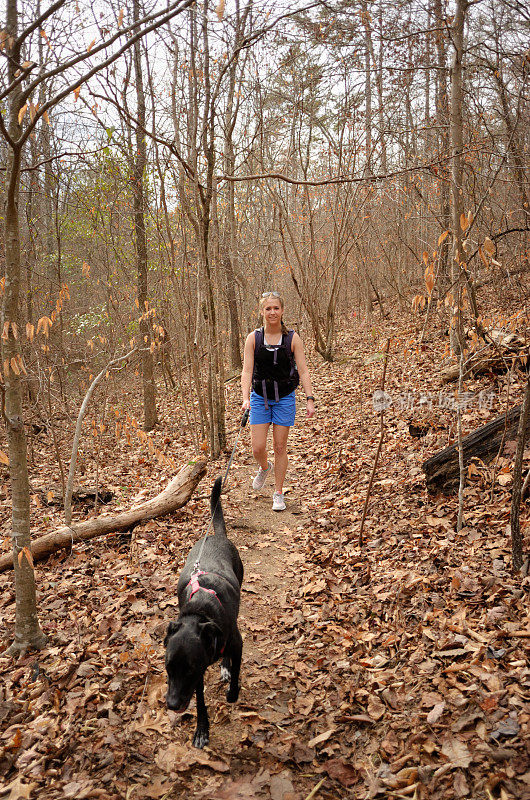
[(435, 713), (341, 771), (322, 737), (457, 752), (376, 708), (17, 790)]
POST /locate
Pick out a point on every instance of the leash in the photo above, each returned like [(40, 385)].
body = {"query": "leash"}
[(196, 566)]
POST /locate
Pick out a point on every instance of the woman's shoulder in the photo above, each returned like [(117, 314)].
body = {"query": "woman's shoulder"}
[(296, 341), (251, 337)]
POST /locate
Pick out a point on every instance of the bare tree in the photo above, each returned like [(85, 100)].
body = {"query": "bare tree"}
[(18, 119)]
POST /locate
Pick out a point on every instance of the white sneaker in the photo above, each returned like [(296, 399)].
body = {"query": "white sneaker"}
[(278, 503), (259, 481)]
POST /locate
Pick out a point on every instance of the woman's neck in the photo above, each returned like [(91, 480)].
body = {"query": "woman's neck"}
[(272, 330)]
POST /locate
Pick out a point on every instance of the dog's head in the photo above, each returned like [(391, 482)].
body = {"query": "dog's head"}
[(191, 646)]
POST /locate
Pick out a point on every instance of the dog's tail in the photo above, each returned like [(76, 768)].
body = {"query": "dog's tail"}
[(216, 508)]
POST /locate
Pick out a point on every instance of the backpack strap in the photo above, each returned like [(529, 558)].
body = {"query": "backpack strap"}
[(259, 338), (259, 341), (289, 350)]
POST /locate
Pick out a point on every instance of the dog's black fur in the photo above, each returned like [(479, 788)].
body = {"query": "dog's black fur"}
[(207, 625)]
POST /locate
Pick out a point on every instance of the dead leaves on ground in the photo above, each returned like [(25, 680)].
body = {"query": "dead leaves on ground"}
[(399, 670)]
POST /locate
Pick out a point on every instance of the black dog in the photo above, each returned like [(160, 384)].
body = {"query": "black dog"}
[(207, 625)]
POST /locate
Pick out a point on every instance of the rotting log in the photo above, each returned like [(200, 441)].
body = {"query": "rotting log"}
[(442, 471), (175, 495), (496, 358)]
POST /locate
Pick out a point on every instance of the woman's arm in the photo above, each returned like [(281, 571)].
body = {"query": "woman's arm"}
[(305, 379), (248, 369)]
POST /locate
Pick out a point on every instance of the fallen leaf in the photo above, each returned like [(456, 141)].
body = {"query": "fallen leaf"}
[(322, 737), (341, 771), (457, 752), (435, 713), (506, 728), (19, 791), (281, 787), (376, 708)]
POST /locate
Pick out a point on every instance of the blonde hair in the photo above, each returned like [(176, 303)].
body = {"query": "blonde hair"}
[(278, 297)]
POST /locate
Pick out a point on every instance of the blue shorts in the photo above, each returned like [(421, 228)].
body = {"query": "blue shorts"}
[(281, 412)]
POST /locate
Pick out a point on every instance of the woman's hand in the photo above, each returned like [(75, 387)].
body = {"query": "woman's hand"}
[(245, 405), (310, 408)]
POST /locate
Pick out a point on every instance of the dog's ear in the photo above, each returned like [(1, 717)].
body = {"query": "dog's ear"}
[(172, 628), (212, 637)]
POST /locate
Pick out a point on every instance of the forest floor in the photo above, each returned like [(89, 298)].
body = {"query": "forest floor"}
[(398, 668)]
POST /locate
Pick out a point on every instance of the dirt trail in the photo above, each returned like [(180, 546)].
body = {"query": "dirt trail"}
[(240, 733), (266, 542)]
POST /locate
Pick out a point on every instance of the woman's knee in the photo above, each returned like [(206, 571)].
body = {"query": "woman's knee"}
[(280, 448), (258, 450)]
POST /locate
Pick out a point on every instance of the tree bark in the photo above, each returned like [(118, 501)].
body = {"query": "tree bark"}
[(517, 539), (175, 495), (140, 160), (27, 630), (442, 469), (457, 174), (442, 114), (367, 88)]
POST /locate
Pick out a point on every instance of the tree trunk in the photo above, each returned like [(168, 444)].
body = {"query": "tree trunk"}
[(229, 241), (367, 88), (176, 494), (27, 630), (517, 539), (140, 159), (515, 147), (458, 263), (442, 116)]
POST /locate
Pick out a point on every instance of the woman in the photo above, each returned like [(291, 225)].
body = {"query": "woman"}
[(274, 364)]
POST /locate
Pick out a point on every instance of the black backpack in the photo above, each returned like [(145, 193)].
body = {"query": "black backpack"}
[(275, 374)]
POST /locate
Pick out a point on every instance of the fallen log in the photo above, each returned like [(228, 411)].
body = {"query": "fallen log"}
[(509, 348), (175, 495), (442, 470)]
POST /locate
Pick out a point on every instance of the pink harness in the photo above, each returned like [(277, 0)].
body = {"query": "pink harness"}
[(195, 585)]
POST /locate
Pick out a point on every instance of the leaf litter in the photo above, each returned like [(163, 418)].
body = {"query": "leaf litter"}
[(395, 670)]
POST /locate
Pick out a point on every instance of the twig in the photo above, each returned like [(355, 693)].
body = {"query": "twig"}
[(461, 468), (503, 439), (145, 685), (314, 790), (525, 484), (381, 437), (77, 435)]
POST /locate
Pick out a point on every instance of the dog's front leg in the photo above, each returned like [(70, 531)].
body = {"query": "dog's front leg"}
[(202, 733), (237, 650), (226, 667)]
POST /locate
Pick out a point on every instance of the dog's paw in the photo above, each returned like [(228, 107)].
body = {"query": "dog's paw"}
[(232, 695), (225, 674), (201, 739)]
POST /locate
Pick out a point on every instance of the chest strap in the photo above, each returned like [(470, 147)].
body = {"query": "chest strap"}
[(195, 585)]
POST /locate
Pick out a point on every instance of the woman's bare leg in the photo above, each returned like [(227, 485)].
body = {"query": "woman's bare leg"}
[(258, 435), (280, 434)]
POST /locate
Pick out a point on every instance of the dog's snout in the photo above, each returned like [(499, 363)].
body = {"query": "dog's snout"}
[(176, 703)]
